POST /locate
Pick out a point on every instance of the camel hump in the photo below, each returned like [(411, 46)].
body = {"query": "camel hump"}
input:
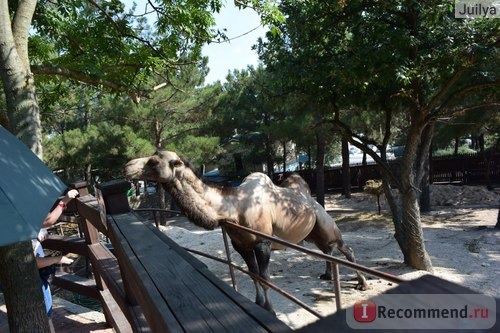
[(257, 179), (297, 183)]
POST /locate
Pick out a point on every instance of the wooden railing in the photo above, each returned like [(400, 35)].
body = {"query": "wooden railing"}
[(146, 282)]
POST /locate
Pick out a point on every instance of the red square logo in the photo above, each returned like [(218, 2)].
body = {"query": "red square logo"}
[(365, 311)]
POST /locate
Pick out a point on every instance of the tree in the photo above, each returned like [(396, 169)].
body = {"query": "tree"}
[(72, 39), (398, 60)]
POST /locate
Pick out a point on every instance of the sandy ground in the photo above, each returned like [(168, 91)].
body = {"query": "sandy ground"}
[(458, 236)]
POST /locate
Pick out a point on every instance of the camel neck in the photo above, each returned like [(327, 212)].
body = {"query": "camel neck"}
[(190, 193)]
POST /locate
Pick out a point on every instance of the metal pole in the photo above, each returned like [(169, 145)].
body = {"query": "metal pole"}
[(156, 220), (228, 255), (336, 285)]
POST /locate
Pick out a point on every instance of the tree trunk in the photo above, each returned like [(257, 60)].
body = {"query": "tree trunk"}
[(411, 237), (424, 159), (497, 226), (268, 147), (309, 159), (320, 170), (23, 297), (23, 112), (457, 144), (20, 280), (409, 234), (425, 196), (284, 157), (269, 157), (346, 171)]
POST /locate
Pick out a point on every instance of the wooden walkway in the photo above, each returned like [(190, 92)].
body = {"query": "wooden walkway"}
[(67, 318), (147, 282), (175, 290)]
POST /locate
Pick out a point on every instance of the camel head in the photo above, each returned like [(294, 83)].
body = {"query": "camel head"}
[(160, 167)]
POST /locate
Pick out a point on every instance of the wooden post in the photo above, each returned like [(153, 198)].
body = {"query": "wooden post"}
[(112, 197), (81, 186)]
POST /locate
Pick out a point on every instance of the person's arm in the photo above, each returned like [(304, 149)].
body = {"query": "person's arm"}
[(42, 262), (56, 212)]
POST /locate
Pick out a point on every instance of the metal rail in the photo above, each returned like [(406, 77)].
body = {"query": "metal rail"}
[(260, 279), (355, 266), (334, 260)]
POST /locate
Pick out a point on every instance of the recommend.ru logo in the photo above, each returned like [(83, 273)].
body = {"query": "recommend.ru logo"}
[(423, 311)]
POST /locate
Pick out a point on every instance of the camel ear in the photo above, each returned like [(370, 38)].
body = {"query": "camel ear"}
[(176, 163)]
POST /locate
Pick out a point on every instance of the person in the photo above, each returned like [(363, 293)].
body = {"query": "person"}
[(132, 190), (46, 264)]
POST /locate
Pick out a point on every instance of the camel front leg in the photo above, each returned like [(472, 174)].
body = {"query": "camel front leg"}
[(248, 256), (263, 255)]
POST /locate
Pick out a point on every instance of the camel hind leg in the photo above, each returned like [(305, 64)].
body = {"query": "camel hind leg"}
[(349, 254), (326, 236)]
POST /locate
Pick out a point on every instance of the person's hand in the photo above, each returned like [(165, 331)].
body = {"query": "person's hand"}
[(43, 234), (69, 196), (72, 194), (65, 261)]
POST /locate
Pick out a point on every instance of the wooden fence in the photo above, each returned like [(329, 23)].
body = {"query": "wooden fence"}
[(144, 281), (474, 169)]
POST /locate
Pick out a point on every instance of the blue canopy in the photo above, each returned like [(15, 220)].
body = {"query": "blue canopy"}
[(28, 189)]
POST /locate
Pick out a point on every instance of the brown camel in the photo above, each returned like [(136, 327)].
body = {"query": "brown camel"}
[(288, 212)]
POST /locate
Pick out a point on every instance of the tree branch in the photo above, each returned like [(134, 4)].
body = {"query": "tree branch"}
[(82, 77), (363, 145), (443, 110), (434, 101)]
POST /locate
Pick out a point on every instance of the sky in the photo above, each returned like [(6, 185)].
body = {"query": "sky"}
[(236, 53)]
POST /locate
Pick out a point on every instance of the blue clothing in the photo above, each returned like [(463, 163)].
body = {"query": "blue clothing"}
[(47, 297), (38, 251)]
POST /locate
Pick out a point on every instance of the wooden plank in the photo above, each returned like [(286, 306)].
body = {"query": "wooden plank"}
[(140, 322), (89, 209), (263, 317), (69, 282), (66, 244), (198, 304), (139, 286), (106, 267), (427, 284), (163, 264), (114, 316)]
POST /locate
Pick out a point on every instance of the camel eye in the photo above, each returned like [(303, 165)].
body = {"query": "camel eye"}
[(175, 163), (152, 162)]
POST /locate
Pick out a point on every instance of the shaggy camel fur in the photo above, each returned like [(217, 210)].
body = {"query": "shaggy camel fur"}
[(288, 212)]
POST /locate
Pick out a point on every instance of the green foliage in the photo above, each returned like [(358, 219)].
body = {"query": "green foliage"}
[(199, 150), (104, 148), (451, 151), (101, 44), (372, 70)]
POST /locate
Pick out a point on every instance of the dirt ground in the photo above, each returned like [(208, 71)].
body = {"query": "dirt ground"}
[(459, 237)]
